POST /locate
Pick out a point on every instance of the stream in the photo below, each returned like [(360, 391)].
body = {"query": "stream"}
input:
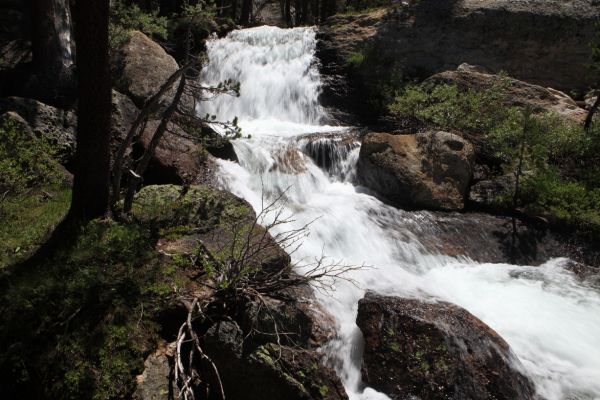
[(550, 318)]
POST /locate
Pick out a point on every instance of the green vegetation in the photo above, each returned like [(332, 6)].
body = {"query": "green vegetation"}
[(554, 161), (80, 324), (28, 218), (355, 59), (25, 161), (352, 11), (451, 108), (84, 318), (33, 198), (125, 18)]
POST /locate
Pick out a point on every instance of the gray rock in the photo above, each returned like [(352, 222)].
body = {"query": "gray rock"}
[(427, 350), (155, 382), (545, 42), (57, 125)]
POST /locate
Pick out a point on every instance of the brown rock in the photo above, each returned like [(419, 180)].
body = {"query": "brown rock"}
[(141, 66), (429, 170), (435, 351), (177, 159)]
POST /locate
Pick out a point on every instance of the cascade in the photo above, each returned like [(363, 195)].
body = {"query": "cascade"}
[(548, 316)]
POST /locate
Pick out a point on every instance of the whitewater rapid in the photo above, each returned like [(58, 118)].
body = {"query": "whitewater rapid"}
[(549, 317)]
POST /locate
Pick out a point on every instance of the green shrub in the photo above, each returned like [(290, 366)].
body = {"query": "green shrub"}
[(24, 161), (80, 325), (126, 18), (548, 194), (355, 59), (449, 107)]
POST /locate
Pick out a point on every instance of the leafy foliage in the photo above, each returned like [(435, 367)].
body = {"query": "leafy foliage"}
[(81, 329), (27, 218), (449, 107), (24, 161), (127, 17)]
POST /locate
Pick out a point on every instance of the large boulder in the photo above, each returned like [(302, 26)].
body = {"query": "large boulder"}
[(430, 170), (517, 93), (141, 66), (216, 220), (416, 349), (177, 159)]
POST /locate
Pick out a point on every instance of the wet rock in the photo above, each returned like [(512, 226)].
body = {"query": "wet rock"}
[(430, 170), (329, 150), (223, 149), (269, 371), (415, 349), (141, 66), (518, 93), (177, 159)]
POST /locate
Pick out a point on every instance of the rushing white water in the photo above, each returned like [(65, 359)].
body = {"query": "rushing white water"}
[(549, 317)]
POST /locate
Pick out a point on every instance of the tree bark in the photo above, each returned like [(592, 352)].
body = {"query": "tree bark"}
[(92, 159), (246, 12)]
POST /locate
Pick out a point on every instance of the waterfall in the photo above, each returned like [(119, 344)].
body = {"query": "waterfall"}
[(63, 26), (549, 317)]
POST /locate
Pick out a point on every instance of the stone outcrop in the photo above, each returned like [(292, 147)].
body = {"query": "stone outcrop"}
[(243, 342), (430, 170), (15, 43), (517, 93), (177, 159), (270, 371), (57, 125), (545, 42), (141, 66), (416, 349), (220, 217), (155, 383)]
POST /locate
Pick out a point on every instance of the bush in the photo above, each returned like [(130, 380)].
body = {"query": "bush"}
[(449, 107), (24, 161), (548, 194), (126, 18)]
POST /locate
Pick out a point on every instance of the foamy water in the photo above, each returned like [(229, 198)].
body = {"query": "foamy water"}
[(550, 319)]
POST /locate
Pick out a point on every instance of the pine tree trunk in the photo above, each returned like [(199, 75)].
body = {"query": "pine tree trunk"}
[(246, 12), (91, 185)]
